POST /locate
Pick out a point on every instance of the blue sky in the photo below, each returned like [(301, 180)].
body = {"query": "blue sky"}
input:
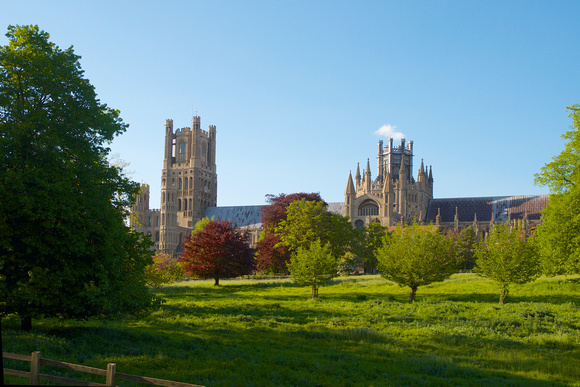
[(298, 90)]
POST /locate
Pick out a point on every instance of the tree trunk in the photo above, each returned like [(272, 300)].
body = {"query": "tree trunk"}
[(1, 357), (26, 323), (314, 292), (412, 294), (217, 282), (504, 294)]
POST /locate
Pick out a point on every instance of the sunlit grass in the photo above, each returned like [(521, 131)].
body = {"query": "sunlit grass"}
[(362, 331)]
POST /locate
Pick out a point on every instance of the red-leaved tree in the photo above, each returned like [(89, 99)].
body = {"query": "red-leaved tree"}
[(218, 251), (271, 258)]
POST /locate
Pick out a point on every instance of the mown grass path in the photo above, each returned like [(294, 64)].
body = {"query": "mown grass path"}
[(361, 332)]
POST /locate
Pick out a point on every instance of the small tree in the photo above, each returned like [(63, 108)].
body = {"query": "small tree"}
[(507, 257), (217, 251), (164, 270), (416, 255), (464, 248), (313, 266)]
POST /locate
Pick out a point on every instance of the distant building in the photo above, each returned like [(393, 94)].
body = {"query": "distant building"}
[(189, 193)]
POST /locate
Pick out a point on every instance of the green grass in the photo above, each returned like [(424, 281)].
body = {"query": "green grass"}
[(362, 331)]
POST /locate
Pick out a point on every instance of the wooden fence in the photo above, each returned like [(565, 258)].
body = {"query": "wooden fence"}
[(110, 374)]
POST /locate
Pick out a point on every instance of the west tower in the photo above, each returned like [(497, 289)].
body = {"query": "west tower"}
[(188, 181)]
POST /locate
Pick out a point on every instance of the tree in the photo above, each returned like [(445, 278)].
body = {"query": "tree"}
[(416, 255), (272, 257), (464, 242), (313, 265), (308, 221), (506, 257), (370, 238), (65, 250), (558, 237), (164, 270), (217, 251)]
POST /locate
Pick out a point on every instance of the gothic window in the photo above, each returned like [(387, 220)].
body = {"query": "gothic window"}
[(180, 183), (185, 204), (157, 221), (369, 207), (186, 183), (181, 147), (178, 204), (359, 224), (149, 222), (157, 236)]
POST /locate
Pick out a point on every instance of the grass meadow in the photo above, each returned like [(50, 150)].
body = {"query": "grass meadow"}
[(362, 331)]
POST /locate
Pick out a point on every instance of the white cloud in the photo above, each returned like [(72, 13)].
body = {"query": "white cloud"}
[(389, 131)]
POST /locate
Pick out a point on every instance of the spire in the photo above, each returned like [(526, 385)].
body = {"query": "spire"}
[(456, 220), (430, 174), (438, 217), (368, 181), (387, 183), (349, 185), (420, 175), (357, 176)]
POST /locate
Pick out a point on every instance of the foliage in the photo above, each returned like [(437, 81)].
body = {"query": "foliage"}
[(313, 266), (415, 256), (464, 243), (200, 224), (164, 270), (65, 250), (263, 333), (308, 221), (370, 238), (272, 257), (558, 236), (217, 251), (349, 263), (507, 257)]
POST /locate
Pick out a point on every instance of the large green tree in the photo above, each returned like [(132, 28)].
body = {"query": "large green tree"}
[(506, 256), (558, 237), (65, 250), (416, 255), (271, 255), (308, 221)]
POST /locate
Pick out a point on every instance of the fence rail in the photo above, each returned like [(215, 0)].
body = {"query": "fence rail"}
[(110, 374)]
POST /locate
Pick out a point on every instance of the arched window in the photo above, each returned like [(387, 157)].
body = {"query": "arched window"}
[(186, 183), (180, 183), (178, 204), (182, 147), (157, 236), (368, 207), (359, 224), (185, 204)]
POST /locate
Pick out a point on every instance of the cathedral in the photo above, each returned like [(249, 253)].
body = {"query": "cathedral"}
[(394, 196)]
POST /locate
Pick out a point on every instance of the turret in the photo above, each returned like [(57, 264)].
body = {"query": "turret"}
[(349, 196), (357, 176), (368, 181), (380, 163)]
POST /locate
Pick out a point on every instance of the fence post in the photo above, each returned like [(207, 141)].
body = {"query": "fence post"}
[(34, 368), (111, 374)]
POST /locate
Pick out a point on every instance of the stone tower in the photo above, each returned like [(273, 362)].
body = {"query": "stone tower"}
[(394, 196), (188, 181)]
